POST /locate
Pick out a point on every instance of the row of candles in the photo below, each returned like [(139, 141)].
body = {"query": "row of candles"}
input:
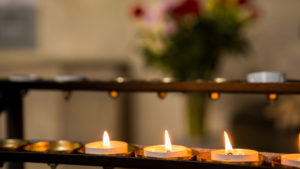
[(167, 150)]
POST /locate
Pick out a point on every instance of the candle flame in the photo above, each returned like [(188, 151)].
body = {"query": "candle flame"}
[(106, 142), (168, 144), (299, 142), (228, 147)]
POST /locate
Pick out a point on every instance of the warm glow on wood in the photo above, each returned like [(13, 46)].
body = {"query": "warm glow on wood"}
[(106, 141), (228, 147), (168, 144)]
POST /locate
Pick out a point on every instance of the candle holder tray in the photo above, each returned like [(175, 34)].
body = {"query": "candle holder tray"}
[(12, 144), (60, 146), (77, 158)]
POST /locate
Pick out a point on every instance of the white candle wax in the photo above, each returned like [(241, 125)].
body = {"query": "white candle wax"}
[(237, 155), (97, 147), (291, 160), (160, 151)]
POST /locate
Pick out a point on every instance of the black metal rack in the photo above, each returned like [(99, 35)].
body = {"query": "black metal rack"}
[(11, 100), (156, 86), (116, 161)]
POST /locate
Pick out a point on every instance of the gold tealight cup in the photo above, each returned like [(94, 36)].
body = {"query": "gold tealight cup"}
[(12, 144), (60, 146)]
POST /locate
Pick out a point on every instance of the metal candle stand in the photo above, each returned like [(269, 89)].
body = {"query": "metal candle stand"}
[(135, 159), (11, 100)]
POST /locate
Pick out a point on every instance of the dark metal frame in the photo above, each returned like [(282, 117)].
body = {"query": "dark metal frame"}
[(114, 161), (11, 100), (155, 86)]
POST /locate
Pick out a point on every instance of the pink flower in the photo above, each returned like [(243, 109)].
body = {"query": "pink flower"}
[(171, 28), (156, 17), (157, 14)]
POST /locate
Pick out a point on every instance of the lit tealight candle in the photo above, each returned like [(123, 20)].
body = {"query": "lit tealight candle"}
[(292, 160), (167, 150), (106, 146), (234, 155)]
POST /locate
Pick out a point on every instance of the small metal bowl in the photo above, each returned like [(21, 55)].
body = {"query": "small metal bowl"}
[(276, 162), (206, 157), (60, 146), (191, 155), (12, 144), (131, 151)]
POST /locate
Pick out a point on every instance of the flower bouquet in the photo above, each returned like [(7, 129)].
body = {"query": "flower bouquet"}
[(188, 37)]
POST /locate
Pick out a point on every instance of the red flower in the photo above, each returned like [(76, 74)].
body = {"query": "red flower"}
[(186, 7), (138, 11), (243, 2)]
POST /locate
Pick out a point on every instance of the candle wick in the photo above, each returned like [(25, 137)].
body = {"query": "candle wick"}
[(168, 151), (229, 152)]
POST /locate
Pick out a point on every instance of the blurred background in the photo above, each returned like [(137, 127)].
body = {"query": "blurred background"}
[(95, 39)]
